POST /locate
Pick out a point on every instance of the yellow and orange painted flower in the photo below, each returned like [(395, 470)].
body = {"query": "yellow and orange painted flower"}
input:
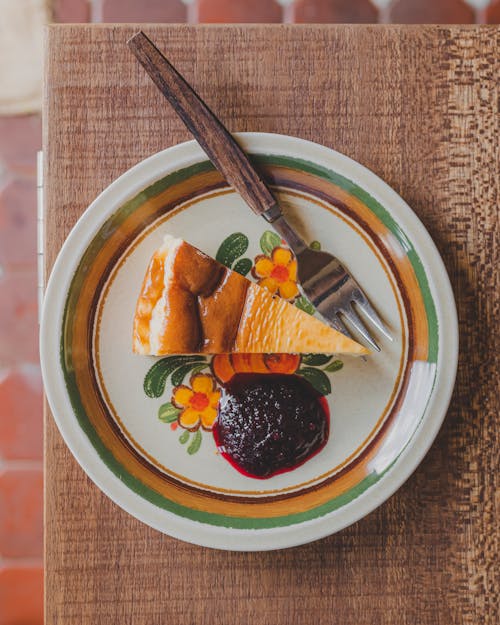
[(277, 273), (197, 402)]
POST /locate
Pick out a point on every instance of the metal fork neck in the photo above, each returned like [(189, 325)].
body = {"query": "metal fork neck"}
[(285, 230), (273, 213)]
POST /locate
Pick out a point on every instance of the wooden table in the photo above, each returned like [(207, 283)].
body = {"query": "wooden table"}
[(417, 105)]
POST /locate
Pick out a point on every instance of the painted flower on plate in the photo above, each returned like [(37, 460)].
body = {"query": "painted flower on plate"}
[(197, 402), (277, 273)]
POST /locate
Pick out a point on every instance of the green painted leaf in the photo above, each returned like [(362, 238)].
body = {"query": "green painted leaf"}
[(336, 365), (199, 368), (243, 266), (183, 438), (232, 248), (156, 377), (315, 245), (195, 444), (315, 360), (179, 374), (268, 241), (305, 305), (318, 379), (168, 413)]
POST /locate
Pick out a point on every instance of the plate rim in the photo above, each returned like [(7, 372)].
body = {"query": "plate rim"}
[(126, 186)]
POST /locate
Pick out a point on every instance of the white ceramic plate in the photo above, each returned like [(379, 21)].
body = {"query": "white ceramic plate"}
[(115, 411)]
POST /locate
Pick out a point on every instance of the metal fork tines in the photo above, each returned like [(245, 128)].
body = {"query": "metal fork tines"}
[(336, 308), (331, 289)]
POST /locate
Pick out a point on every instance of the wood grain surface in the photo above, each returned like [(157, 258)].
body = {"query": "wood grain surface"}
[(417, 105)]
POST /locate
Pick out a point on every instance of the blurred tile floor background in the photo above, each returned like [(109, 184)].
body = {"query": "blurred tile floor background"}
[(21, 477)]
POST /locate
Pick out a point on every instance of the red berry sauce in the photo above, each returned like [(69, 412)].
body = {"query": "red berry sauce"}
[(270, 423)]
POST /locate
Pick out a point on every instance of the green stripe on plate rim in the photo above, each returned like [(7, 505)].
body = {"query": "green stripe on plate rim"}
[(66, 339)]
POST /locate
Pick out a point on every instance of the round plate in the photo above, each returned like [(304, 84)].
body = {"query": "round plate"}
[(122, 415)]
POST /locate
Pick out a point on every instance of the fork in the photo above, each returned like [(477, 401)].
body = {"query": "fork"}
[(322, 278)]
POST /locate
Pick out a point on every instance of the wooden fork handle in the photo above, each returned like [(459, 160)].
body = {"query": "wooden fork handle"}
[(214, 138)]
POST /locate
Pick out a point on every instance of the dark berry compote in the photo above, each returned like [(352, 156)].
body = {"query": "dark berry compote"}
[(270, 423)]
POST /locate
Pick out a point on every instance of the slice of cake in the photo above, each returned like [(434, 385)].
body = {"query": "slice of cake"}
[(190, 303)]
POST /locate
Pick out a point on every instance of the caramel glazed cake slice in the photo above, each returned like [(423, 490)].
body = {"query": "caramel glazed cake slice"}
[(190, 303)]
